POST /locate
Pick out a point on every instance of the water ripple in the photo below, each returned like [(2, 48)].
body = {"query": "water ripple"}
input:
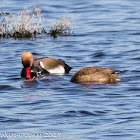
[(6, 87), (82, 113)]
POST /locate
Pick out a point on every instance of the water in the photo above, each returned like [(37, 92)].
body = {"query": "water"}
[(105, 33)]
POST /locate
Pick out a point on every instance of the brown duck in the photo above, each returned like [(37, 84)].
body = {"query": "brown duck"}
[(34, 67), (95, 75)]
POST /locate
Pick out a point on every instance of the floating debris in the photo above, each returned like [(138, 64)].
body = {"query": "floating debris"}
[(26, 25), (22, 26), (62, 27), (36, 10)]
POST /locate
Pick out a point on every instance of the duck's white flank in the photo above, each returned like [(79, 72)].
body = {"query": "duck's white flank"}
[(58, 70), (41, 64)]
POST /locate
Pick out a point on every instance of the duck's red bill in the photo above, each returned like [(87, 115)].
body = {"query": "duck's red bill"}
[(28, 73)]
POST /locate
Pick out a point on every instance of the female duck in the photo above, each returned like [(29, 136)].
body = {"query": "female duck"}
[(95, 75)]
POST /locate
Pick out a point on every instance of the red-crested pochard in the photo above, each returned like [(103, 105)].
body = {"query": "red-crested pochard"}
[(95, 75), (34, 67)]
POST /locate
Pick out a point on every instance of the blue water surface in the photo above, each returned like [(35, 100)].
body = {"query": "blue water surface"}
[(104, 33)]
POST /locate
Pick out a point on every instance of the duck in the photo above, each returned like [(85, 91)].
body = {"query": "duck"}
[(40, 66), (96, 75)]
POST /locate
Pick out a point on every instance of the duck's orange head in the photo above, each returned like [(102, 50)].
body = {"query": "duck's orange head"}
[(27, 61)]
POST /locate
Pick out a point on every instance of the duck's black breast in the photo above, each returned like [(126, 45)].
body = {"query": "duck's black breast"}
[(23, 73), (35, 71)]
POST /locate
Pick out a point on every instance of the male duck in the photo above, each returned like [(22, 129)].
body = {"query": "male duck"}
[(34, 67)]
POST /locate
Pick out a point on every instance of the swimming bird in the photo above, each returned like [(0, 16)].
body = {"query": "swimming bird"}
[(95, 75), (35, 67)]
